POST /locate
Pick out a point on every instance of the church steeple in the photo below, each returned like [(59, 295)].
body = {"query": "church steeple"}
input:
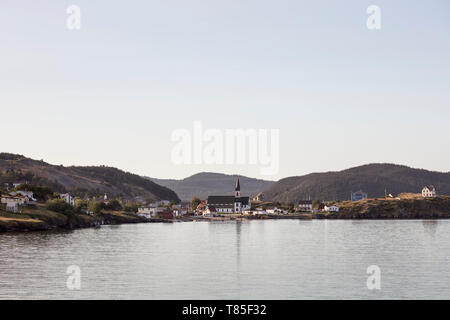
[(237, 189)]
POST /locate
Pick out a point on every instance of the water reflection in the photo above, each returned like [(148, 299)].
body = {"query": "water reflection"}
[(430, 226), (323, 259)]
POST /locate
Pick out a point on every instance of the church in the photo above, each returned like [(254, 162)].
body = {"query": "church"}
[(230, 204)]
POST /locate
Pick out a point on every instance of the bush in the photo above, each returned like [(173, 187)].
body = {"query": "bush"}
[(194, 203), (131, 207), (95, 206), (114, 205), (60, 206)]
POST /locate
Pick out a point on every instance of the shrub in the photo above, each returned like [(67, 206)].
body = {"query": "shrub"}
[(114, 205), (95, 206), (131, 207), (60, 206)]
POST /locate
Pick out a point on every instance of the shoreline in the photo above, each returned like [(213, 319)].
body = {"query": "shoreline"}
[(18, 228), (38, 218)]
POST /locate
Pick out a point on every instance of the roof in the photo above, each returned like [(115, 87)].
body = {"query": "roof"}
[(221, 200), (201, 206), (238, 186), (305, 202), (243, 200), (7, 196), (430, 187)]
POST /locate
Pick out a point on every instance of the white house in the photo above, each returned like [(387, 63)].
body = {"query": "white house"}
[(68, 199), (148, 211), (331, 208), (181, 209), (260, 211), (305, 205), (273, 210), (210, 211), (13, 202), (428, 192), (28, 194)]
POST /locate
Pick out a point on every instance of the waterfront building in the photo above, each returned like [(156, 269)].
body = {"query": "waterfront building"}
[(68, 198), (428, 192), (305, 205), (230, 204), (12, 203), (147, 211), (331, 208)]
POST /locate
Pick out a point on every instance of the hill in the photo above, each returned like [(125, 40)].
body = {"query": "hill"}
[(203, 184), (371, 178), (81, 181)]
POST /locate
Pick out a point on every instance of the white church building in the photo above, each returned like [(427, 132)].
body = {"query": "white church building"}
[(230, 204)]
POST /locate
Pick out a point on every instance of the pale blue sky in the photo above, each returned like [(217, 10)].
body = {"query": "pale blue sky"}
[(113, 92)]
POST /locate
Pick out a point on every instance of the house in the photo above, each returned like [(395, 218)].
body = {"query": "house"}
[(28, 194), (428, 192), (260, 211), (200, 208), (165, 214), (230, 204), (12, 207), (209, 212), (305, 205), (258, 197), (358, 195), (181, 209), (19, 199), (13, 202), (149, 211), (331, 208), (273, 210), (163, 203), (68, 198)]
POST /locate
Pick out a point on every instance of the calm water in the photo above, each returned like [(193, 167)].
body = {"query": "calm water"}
[(278, 259)]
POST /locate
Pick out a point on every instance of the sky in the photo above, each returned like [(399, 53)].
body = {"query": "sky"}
[(114, 91)]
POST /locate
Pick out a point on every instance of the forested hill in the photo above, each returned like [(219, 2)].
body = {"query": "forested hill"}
[(204, 184), (371, 178), (91, 180)]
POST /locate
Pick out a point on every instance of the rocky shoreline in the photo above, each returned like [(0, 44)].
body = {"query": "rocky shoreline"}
[(40, 219)]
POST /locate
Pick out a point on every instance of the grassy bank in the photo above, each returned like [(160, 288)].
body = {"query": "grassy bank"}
[(38, 218), (408, 207)]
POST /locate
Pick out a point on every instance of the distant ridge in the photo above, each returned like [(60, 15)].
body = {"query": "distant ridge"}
[(91, 180), (371, 178), (204, 184)]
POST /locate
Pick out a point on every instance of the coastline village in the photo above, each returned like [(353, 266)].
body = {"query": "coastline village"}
[(215, 206)]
